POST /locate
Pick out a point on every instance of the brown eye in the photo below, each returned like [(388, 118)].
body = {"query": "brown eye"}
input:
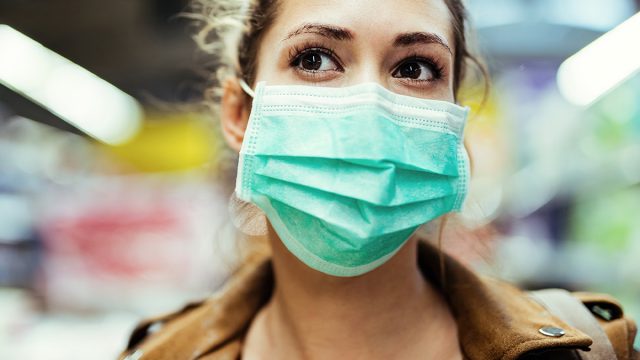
[(416, 70), (315, 61), (311, 61)]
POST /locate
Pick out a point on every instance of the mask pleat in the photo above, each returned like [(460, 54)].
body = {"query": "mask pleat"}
[(327, 241), (345, 213), (382, 185), (359, 138)]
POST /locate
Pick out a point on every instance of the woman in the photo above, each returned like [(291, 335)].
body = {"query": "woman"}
[(344, 116)]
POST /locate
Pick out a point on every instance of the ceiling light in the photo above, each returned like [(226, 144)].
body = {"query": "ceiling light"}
[(602, 65), (69, 91)]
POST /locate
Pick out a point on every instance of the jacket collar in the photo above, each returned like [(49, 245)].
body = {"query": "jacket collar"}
[(495, 320)]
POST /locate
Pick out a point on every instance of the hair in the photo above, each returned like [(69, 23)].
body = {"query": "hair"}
[(230, 33)]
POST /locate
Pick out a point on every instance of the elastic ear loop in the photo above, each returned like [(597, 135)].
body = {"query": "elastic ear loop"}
[(247, 89)]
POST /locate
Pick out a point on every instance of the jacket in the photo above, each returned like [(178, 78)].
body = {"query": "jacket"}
[(495, 319)]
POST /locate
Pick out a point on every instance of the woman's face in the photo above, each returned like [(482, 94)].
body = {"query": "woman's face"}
[(404, 45)]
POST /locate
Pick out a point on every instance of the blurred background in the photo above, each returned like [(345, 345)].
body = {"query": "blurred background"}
[(113, 200)]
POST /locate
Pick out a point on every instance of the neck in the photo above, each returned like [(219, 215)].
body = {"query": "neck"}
[(385, 313)]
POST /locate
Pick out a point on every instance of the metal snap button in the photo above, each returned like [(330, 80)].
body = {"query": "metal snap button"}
[(551, 331)]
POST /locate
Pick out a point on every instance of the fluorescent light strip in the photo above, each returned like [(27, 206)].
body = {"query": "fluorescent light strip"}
[(602, 65), (77, 96)]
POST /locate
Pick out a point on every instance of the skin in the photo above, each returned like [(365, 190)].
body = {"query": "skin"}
[(392, 311)]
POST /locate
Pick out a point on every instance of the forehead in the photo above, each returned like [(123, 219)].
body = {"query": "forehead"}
[(368, 19)]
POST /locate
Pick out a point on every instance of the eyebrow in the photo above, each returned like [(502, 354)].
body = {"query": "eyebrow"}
[(329, 31), (408, 39), (341, 34)]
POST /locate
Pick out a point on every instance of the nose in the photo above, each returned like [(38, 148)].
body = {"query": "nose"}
[(367, 71)]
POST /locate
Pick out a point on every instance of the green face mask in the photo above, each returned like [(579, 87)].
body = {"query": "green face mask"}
[(346, 175)]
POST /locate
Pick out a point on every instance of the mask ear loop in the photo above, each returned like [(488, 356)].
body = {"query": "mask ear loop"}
[(247, 89)]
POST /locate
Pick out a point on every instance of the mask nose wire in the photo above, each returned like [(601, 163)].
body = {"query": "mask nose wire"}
[(247, 89)]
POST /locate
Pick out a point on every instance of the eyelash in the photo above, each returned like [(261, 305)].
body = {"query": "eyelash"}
[(297, 51), (438, 70)]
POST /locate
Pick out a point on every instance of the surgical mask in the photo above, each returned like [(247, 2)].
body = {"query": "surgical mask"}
[(346, 175)]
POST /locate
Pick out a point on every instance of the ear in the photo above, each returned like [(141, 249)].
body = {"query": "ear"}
[(234, 113)]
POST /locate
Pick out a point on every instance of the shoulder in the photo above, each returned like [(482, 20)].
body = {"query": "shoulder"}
[(497, 320), (187, 333), (207, 329), (585, 323)]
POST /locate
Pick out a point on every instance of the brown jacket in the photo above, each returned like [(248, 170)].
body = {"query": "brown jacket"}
[(495, 320)]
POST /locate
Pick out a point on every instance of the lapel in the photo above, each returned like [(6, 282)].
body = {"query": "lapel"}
[(495, 319)]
